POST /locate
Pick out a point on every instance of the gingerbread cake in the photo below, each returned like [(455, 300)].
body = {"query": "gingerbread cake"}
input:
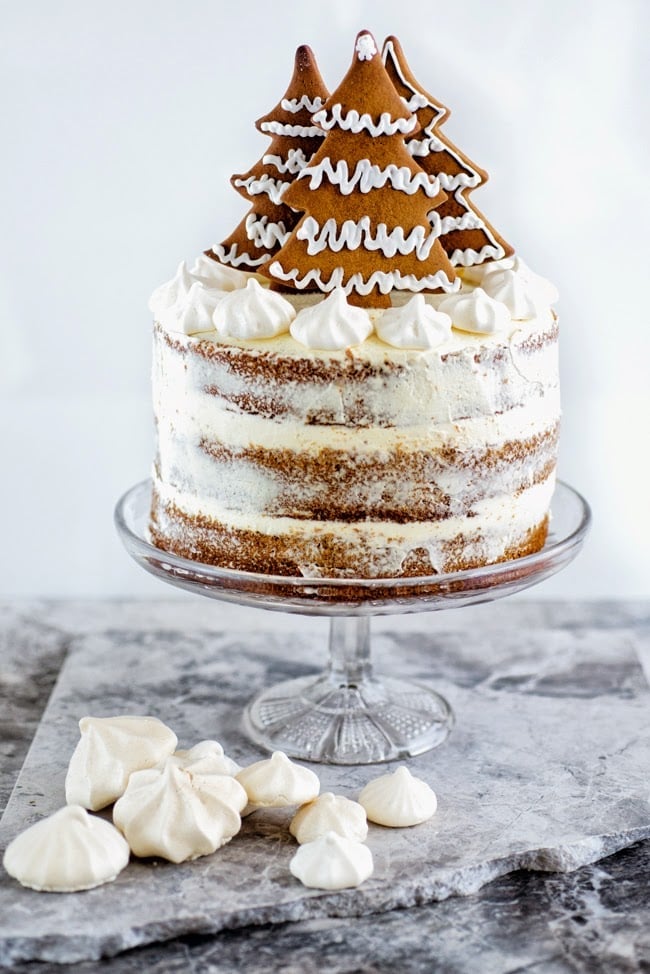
[(362, 380)]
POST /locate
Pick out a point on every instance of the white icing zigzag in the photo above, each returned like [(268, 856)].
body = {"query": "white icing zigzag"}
[(234, 259), (386, 282), (368, 176), (265, 233), (296, 161), (353, 234), (279, 128), (353, 122), (273, 188), (294, 105)]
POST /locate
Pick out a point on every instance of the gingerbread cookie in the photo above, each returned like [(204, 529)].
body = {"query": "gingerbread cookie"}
[(369, 209), (466, 235), (295, 139)]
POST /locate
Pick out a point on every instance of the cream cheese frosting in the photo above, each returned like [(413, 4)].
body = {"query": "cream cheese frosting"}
[(332, 323), (179, 814), (398, 800), (332, 862), (67, 851), (252, 312), (277, 782), (329, 813), (110, 749)]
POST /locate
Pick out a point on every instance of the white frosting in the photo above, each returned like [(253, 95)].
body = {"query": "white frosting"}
[(68, 851), (365, 47), (332, 862), (386, 281), (476, 274), (177, 814), (296, 161), (524, 288), (329, 813), (294, 105), (353, 234), (166, 295), (264, 184), (110, 749), (475, 311), (231, 256), (398, 800), (280, 128), (192, 312), (331, 324), (217, 276), (266, 233), (415, 101), (415, 324), (352, 121), (368, 176), (254, 312), (207, 757), (277, 782)]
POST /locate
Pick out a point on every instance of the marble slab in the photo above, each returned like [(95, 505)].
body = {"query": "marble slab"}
[(546, 770)]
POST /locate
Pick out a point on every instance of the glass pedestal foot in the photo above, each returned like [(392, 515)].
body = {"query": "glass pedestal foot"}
[(346, 715)]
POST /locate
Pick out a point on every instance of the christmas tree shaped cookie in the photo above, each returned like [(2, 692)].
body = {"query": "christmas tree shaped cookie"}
[(466, 235), (369, 221), (295, 138)]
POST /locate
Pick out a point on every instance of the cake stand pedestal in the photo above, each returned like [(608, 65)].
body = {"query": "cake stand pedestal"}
[(347, 715)]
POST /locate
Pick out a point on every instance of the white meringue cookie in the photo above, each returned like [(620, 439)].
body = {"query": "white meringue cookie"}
[(67, 851), (415, 324), (207, 757), (179, 815), (219, 276), (252, 312), (331, 324), (517, 295), (166, 296), (329, 813), (398, 800), (110, 749), (332, 862), (277, 782), (192, 313), (475, 311)]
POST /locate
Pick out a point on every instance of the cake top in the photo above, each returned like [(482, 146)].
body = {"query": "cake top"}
[(360, 197)]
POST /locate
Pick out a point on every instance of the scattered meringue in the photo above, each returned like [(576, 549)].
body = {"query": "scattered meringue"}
[(219, 276), (329, 813), (331, 324), (192, 313), (332, 862), (110, 749), (252, 312), (168, 294), (177, 814), (415, 324), (518, 297), (398, 800), (68, 851), (277, 782), (475, 311), (207, 757)]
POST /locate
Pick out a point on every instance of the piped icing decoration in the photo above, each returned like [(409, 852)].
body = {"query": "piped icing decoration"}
[(254, 312), (278, 782), (329, 813), (415, 324), (66, 852), (331, 324), (177, 814), (295, 139), (110, 750), (332, 862), (398, 800), (366, 202), (207, 757), (475, 311), (466, 235)]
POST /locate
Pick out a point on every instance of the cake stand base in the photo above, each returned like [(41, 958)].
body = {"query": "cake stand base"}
[(346, 715)]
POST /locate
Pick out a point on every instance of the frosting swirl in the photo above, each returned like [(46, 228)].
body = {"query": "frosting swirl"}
[(415, 325), (475, 311), (331, 324), (252, 312)]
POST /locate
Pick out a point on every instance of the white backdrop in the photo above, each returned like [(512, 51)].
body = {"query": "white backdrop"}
[(122, 122)]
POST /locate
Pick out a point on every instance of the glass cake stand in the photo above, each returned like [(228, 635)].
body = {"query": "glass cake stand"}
[(347, 715)]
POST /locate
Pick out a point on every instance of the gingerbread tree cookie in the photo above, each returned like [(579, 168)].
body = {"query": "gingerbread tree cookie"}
[(294, 141), (466, 235), (368, 224)]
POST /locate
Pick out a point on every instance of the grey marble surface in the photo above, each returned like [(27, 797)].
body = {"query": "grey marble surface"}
[(595, 918)]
